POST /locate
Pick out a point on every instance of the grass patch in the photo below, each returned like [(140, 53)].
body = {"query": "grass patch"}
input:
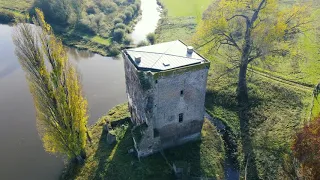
[(179, 19), (101, 40), (185, 8), (16, 5), (106, 161), (171, 29)]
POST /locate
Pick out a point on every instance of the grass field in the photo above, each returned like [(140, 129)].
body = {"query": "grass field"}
[(280, 92), (185, 8), (113, 162), (277, 110), (180, 19), (16, 5)]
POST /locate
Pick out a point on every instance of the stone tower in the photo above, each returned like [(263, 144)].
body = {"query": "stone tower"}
[(166, 87)]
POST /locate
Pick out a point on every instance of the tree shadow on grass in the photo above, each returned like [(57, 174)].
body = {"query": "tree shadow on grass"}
[(199, 159), (102, 154), (113, 162), (123, 165), (227, 100)]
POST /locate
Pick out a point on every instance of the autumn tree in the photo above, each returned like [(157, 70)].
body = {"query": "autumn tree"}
[(55, 86), (306, 148), (242, 31)]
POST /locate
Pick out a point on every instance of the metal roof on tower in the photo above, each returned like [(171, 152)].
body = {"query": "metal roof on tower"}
[(164, 56)]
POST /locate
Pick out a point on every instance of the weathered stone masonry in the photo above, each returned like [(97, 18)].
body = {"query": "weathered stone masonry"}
[(167, 106)]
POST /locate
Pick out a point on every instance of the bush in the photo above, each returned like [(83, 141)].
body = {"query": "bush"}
[(151, 38), (122, 16), (127, 40), (6, 16), (117, 20), (107, 6), (134, 7), (128, 15), (120, 26), (114, 50), (118, 34), (142, 43), (84, 25), (130, 9), (137, 4)]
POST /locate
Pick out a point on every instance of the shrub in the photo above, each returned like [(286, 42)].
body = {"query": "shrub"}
[(120, 26), (142, 43), (84, 25), (6, 16), (122, 16), (118, 34), (104, 29), (114, 50), (134, 7), (306, 147), (151, 38), (117, 20), (108, 6), (127, 40), (128, 15), (130, 9), (137, 4)]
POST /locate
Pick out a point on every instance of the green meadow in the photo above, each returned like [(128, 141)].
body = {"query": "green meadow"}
[(185, 8)]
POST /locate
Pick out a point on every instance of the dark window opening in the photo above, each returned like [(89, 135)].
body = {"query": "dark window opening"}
[(180, 117), (181, 93), (155, 133)]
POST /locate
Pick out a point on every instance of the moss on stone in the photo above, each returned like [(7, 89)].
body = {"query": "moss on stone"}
[(181, 70), (138, 132), (144, 81)]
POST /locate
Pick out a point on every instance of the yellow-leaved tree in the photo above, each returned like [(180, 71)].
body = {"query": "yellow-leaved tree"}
[(241, 31), (55, 86)]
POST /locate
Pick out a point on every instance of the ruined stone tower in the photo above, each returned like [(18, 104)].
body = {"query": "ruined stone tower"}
[(166, 86)]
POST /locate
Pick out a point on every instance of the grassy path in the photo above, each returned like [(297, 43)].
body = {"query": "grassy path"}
[(293, 84)]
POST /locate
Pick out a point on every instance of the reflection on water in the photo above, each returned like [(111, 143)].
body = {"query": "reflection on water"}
[(8, 69), (79, 54), (21, 153), (149, 20)]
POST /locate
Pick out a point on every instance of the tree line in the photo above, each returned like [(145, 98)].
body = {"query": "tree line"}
[(97, 17)]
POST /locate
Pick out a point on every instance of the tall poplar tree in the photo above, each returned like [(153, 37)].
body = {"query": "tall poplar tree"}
[(55, 86)]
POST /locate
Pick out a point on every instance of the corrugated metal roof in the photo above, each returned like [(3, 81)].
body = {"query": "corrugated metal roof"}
[(164, 56)]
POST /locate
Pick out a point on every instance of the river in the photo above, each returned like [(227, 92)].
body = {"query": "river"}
[(21, 153)]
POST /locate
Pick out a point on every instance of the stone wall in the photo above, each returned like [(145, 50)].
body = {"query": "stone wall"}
[(180, 94), (140, 91)]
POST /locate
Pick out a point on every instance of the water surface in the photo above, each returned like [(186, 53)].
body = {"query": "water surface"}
[(149, 20), (21, 153)]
